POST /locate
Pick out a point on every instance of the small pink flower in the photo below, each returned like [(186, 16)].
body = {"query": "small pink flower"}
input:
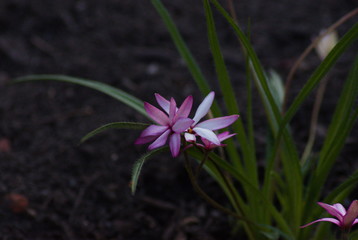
[(171, 124), (344, 219), (206, 128), (210, 145)]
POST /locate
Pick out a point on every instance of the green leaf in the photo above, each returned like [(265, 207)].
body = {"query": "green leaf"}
[(353, 235), (185, 53), (230, 101), (255, 191), (115, 125), (116, 93), (345, 187), (274, 233), (348, 39), (343, 120), (276, 87), (288, 152), (137, 167)]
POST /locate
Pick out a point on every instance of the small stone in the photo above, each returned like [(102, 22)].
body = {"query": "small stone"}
[(5, 146), (16, 202)]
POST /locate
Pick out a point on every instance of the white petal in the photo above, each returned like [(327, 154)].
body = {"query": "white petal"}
[(189, 137), (218, 123), (208, 134), (204, 107), (332, 209), (340, 208)]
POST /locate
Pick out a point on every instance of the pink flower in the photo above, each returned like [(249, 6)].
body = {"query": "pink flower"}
[(344, 219), (206, 128), (210, 145), (171, 124)]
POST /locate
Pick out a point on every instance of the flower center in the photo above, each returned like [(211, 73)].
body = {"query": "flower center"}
[(190, 130)]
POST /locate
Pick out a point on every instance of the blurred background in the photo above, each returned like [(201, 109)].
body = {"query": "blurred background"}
[(53, 188)]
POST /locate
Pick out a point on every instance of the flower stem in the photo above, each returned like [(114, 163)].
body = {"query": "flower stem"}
[(249, 224), (314, 120), (344, 234), (201, 164), (308, 50)]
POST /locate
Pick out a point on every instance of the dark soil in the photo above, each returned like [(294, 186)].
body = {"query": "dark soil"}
[(82, 192)]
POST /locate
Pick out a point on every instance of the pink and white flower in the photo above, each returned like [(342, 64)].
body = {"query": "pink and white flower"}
[(206, 128), (171, 124), (345, 219)]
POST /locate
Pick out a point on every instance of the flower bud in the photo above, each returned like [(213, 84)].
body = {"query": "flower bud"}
[(326, 44)]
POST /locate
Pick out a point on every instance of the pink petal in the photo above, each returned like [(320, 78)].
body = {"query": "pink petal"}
[(225, 135), (164, 103), (160, 141), (185, 108), (208, 134), (218, 123), (144, 140), (332, 210), (187, 147), (172, 109), (182, 124), (189, 137), (207, 143), (352, 214), (150, 133), (355, 222), (204, 107), (156, 114), (332, 220), (174, 144)]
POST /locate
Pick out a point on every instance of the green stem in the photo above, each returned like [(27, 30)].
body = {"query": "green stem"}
[(206, 153), (314, 120), (198, 189), (345, 234), (248, 224)]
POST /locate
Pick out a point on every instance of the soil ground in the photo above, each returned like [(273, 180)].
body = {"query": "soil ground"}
[(82, 192)]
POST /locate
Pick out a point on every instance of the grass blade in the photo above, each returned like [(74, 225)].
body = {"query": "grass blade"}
[(185, 52), (115, 125), (347, 40), (230, 100), (116, 93), (343, 120), (289, 155), (137, 167)]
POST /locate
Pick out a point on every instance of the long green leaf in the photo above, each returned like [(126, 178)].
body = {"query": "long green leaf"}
[(230, 100), (244, 181), (289, 155), (115, 125), (116, 93), (343, 120), (348, 184), (137, 167), (347, 40), (185, 52)]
